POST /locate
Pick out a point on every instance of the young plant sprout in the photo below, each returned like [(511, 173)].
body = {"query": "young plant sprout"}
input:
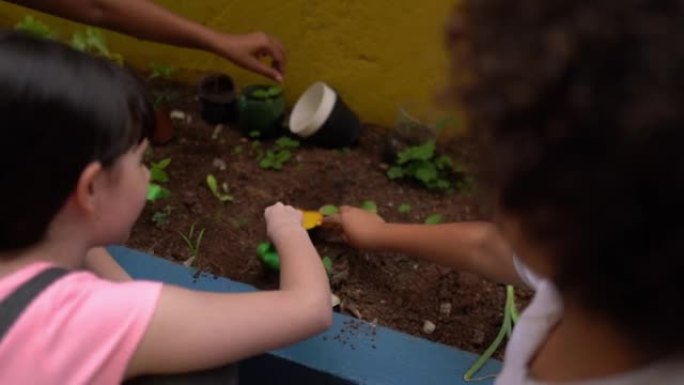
[(422, 164), (510, 319), (193, 243), (328, 210), (92, 41), (279, 154), (404, 208), (35, 27), (158, 176), (433, 219), (369, 206), (266, 93), (221, 194), (161, 218)]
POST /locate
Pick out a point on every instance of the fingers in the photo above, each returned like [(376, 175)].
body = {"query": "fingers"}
[(279, 56), (261, 68)]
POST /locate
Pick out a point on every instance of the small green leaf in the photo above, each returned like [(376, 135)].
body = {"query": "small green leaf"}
[(370, 206), (328, 264), (285, 142), (404, 208), (328, 210), (423, 152), (158, 175), (433, 219), (162, 164), (213, 184), (156, 192), (395, 172), (254, 134)]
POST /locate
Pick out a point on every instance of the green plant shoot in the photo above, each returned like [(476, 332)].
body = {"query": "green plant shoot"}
[(92, 41), (510, 318), (160, 71), (35, 27), (369, 206), (161, 218), (404, 208), (328, 264), (433, 219), (222, 196), (279, 154), (328, 210), (423, 165), (193, 243), (266, 93), (158, 176)]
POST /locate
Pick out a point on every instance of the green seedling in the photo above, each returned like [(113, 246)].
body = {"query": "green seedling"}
[(422, 164), (92, 41), (158, 171), (266, 93), (328, 264), (161, 218), (158, 176), (254, 134), (156, 192), (268, 255), (237, 150), (510, 319), (160, 71), (276, 157), (162, 96), (35, 27), (404, 208), (328, 210), (221, 194), (370, 206), (193, 243), (433, 219)]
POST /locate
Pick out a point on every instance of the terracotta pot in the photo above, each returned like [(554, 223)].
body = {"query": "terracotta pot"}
[(164, 130)]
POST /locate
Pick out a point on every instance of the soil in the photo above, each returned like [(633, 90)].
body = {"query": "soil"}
[(394, 290)]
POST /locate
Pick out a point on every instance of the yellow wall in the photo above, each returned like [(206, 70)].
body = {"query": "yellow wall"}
[(377, 53)]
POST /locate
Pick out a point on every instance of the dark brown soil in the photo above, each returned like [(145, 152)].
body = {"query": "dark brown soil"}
[(398, 291)]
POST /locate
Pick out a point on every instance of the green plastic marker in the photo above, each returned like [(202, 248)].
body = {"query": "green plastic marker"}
[(268, 255)]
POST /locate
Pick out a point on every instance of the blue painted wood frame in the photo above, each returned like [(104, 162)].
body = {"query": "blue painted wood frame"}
[(351, 349)]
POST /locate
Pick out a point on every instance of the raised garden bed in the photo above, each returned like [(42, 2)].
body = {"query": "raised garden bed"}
[(396, 291)]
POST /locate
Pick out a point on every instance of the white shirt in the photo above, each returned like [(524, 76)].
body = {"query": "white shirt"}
[(535, 323)]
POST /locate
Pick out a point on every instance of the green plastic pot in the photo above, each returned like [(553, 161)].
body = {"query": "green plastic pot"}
[(262, 109)]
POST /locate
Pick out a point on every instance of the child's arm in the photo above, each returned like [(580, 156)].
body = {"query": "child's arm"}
[(194, 330), (476, 247), (147, 20), (99, 261)]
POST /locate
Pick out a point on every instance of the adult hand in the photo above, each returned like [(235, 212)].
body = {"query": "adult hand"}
[(257, 52)]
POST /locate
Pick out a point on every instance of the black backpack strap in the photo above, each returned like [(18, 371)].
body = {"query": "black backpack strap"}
[(15, 303)]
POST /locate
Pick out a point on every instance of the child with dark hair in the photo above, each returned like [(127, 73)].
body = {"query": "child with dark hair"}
[(72, 178), (579, 106)]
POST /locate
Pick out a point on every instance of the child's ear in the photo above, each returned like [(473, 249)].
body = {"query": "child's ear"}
[(86, 187)]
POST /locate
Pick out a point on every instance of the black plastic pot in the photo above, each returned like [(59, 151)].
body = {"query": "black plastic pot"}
[(262, 114), (323, 118), (218, 102)]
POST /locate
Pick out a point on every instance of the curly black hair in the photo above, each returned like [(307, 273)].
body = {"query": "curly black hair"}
[(581, 108)]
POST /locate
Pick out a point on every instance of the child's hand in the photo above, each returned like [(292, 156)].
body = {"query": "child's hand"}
[(281, 219), (360, 227), (248, 50)]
